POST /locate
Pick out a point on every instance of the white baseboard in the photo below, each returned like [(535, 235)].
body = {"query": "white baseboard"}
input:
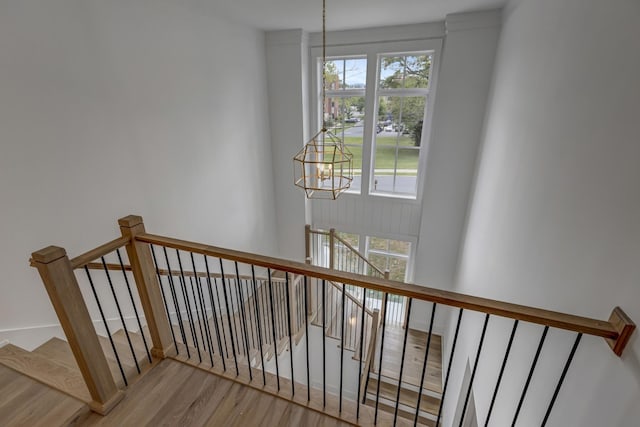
[(3, 343), (31, 337)]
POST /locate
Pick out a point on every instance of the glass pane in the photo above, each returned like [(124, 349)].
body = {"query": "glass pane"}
[(380, 261), (345, 73), (405, 71), (399, 247), (417, 71), (334, 74), (397, 269), (355, 75), (378, 243), (398, 141), (344, 117)]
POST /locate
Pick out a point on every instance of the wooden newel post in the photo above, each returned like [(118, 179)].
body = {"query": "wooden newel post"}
[(61, 285), (148, 287)]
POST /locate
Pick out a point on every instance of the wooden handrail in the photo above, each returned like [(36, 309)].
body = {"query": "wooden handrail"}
[(595, 327), (351, 297), (87, 257), (362, 257)]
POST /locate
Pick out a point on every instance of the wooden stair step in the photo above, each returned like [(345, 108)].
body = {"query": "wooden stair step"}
[(408, 397), (402, 413), (26, 402), (40, 368)]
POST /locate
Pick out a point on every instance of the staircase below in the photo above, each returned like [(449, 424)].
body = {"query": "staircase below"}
[(387, 393)]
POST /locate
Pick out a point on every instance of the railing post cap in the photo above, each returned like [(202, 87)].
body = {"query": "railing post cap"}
[(48, 254), (130, 221)]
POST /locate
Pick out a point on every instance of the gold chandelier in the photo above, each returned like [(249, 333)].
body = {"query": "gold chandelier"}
[(324, 166)]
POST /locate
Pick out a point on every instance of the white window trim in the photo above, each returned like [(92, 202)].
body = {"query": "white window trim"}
[(373, 51)]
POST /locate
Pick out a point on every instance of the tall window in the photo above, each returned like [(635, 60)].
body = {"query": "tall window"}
[(392, 255), (401, 110), (378, 104), (344, 109)]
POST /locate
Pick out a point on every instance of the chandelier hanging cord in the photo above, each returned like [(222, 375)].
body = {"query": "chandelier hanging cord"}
[(324, 66), (323, 168)]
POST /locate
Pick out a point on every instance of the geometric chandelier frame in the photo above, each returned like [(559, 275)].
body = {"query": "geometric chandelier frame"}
[(324, 167)]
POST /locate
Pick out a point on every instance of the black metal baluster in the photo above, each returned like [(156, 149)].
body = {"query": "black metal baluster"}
[(205, 321), (203, 310), (252, 325), (187, 302), (214, 314), (324, 345), (306, 330), (504, 364), (233, 297), (404, 350), (133, 304), (286, 278), (275, 343), (175, 303), (226, 303), (106, 327), (258, 325), (342, 325), (263, 303), (240, 320), (564, 374), (362, 332), (426, 359), (384, 322), (242, 314), (446, 381), (475, 367), (224, 334), (533, 367), (124, 325), (197, 320)]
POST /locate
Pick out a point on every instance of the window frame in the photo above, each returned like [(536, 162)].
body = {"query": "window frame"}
[(373, 52)]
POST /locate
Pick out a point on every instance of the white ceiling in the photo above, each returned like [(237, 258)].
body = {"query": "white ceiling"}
[(341, 14)]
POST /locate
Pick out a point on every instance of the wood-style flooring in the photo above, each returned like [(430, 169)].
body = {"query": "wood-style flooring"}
[(175, 394)]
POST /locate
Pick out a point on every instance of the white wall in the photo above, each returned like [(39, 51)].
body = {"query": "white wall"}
[(287, 83), (463, 87), (112, 108), (554, 220)]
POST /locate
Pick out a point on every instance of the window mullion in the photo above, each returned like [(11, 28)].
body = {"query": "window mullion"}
[(370, 122)]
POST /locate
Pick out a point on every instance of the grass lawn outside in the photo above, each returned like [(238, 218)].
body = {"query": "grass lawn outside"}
[(385, 155)]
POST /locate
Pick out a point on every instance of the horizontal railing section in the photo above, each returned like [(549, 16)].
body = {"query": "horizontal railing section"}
[(303, 332), (600, 328)]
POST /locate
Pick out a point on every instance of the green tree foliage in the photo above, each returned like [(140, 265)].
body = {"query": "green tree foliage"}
[(407, 71)]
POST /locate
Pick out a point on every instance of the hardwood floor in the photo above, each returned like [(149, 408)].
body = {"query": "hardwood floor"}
[(175, 394), (26, 402), (414, 358)]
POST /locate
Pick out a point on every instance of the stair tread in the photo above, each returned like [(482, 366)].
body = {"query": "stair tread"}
[(49, 372), (408, 397), (24, 401), (59, 351), (402, 413)]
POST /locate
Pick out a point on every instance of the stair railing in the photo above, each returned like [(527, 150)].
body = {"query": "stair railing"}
[(326, 388)]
